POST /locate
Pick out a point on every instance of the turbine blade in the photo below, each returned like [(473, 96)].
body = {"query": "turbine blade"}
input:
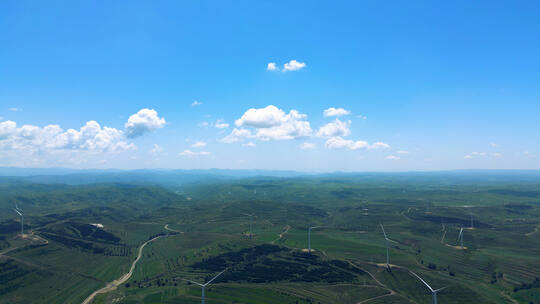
[(194, 282), (392, 241), (207, 283), (437, 290), (383, 231), (425, 283), (17, 212)]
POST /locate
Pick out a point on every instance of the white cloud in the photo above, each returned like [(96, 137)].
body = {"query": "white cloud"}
[(29, 145), (190, 153), (379, 145), (144, 121), (341, 143), (13, 109), (90, 137), (392, 157), (236, 136), (363, 117), (293, 65), (204, 124), (249, 144), (482, 154), (335, 128), (271, 66), (402, 152), (261, 118), (199, 144), (220, 124), (156, 149), (493, 145), (307, 146), (479, 153), (336, 112), (196, 103), (272, 123)]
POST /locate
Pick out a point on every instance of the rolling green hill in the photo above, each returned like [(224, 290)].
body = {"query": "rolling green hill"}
[(79, 238)]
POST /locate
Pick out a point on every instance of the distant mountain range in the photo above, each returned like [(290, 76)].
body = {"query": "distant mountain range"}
[(178, 177)]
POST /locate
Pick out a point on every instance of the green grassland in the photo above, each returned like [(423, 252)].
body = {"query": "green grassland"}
[(207, 230)]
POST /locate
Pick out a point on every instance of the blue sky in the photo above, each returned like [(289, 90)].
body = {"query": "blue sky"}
[(426, 86)]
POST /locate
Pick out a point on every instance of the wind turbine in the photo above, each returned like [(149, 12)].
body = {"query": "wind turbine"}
[(472, 221), (19, 212), (433, 292), (250, 223), (387, 247), (309, 237), (460, 236), (206, 284)]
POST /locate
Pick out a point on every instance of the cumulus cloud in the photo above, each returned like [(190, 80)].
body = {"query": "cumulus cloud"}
[(144, 121), (270, 123), (307, 146), (261, 118), (249, 144), (36, 145), (236, 136), (90, 137), (341, 143), (335, 128), (196, 103), (392, 157), (199, 144), (190, 153), (13, 109), (293, 65), (335, 112), (271, 66)]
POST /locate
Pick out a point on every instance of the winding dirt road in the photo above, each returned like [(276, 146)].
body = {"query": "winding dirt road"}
[(114, 284), (170, 229)]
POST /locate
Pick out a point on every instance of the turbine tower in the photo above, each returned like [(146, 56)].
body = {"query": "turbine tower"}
[(433, 291), (250, 223), (206, 284), (460, 236), (472, 221), (309, 237), (444, 233), (19, 212), (387, 242)]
